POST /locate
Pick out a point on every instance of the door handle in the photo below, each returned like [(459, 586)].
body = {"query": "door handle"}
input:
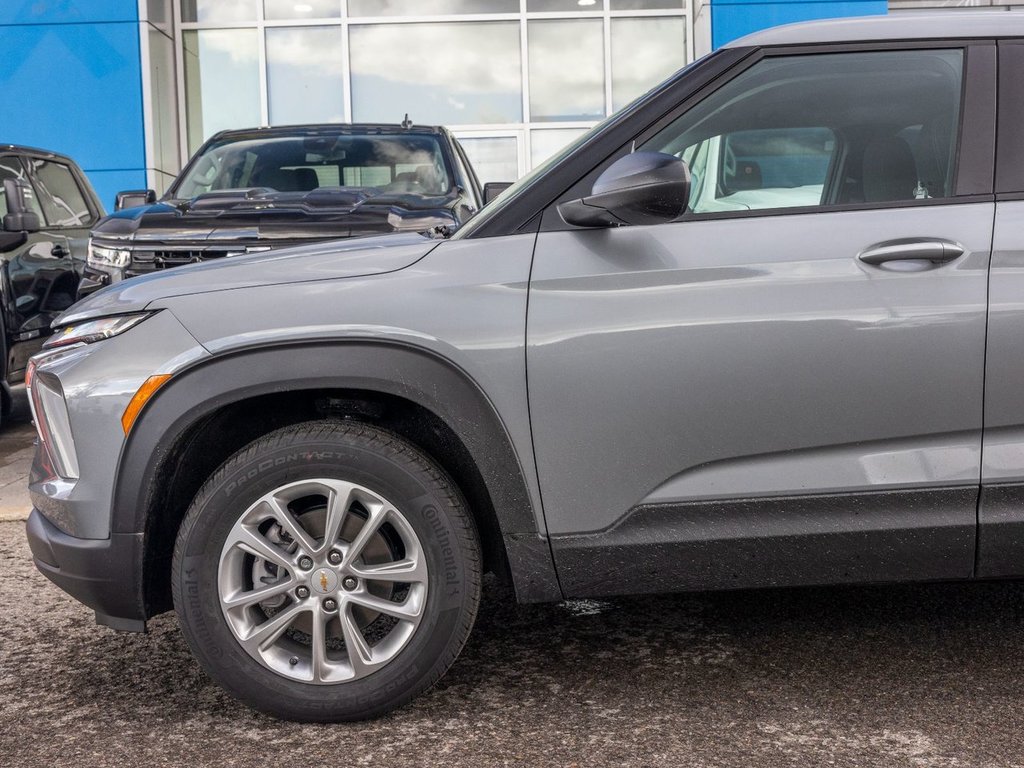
[(935, 251)]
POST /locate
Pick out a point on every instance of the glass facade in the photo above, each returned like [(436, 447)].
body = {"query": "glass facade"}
[(515, 80)]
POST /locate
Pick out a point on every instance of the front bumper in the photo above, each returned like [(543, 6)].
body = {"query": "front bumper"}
[(104, 574), (78, 539)]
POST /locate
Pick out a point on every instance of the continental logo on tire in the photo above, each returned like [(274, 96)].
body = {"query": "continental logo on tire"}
[(451, 570)]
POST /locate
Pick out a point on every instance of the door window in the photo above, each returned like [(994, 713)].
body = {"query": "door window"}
[(62, 199), (828, 129), (11, 168)]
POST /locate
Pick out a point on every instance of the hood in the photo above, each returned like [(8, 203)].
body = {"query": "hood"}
[(265, 215), (321, 261)]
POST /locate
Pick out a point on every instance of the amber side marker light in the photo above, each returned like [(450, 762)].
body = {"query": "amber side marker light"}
[(140, 398)]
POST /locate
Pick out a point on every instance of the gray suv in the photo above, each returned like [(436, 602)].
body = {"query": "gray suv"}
[(764, 327)]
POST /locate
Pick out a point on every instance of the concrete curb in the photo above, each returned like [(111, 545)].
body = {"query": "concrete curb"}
[(14, 514)]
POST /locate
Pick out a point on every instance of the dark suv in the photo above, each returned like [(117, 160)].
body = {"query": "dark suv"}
[(799, 364), (257, 189), (47, 207)]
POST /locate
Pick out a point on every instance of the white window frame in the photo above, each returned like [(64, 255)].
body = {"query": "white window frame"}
[(521, 131)]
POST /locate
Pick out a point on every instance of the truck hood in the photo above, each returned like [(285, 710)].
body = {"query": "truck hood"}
[(358, 257), (265, 215)]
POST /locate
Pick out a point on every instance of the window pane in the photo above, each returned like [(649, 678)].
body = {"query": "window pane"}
[(564, 5), (479, 82), (544, 144), (305, 9), (881, 126), (11, 168), (644, 52), (163, 107), (493, 159), (645, 5), (218, 10), (222, 82), (566, 69), (429, 7), (61, 198), (305, 75)]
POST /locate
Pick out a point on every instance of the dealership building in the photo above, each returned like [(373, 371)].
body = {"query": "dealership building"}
[(130, 88)]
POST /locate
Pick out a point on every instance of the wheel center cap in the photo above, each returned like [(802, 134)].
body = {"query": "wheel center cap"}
[(323, 581)]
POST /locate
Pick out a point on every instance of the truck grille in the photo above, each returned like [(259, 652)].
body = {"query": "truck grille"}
[(145, 261)]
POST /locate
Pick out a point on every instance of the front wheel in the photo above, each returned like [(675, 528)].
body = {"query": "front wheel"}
[(328, 571)]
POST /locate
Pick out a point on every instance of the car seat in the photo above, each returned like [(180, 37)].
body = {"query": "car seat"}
[(888, 170)]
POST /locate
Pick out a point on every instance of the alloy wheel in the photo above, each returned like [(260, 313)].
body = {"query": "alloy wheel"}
[(322, 581)]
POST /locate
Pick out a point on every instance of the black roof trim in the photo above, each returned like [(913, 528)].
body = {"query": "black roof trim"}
[(23, 150)]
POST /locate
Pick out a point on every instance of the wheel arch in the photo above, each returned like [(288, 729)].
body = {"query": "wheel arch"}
[(222, 403)]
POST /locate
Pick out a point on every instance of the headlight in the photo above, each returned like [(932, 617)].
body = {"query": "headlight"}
[(102, 256), (94, 330)]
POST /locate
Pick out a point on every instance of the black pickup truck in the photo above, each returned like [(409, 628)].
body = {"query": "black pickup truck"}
[(47, 208), (257, 189)]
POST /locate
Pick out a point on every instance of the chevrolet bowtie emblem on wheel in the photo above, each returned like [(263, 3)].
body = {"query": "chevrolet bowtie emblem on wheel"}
[(323, 581)]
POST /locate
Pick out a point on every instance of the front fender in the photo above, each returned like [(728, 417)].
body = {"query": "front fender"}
[(390, 368)]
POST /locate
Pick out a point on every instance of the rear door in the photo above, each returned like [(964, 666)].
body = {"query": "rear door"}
[(1001, 509), (785, 386)]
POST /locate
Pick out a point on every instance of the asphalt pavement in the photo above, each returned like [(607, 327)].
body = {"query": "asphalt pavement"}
[(16, 449), (881, 676), (928, 675)]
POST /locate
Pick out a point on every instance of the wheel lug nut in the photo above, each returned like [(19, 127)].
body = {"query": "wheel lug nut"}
[(350, 583), (330, 605), (302, 592), (305, 563), (334, 558)]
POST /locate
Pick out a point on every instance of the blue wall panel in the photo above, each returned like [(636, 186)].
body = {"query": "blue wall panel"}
[(731, 19), (67, 11), (72, 83)]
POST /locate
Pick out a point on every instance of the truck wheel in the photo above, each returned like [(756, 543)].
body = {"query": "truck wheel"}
[(328, 571)]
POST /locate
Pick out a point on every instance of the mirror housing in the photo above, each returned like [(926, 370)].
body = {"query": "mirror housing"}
[(494, 188), (133, 198), (11, 240), (640, 188), (20, 217)]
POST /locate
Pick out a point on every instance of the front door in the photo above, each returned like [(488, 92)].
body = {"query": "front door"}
[(785, 386), (37, 283)]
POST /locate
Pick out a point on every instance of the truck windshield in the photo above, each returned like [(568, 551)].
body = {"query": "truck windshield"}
[(401, 164)]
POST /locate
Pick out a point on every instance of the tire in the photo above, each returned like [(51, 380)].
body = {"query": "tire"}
[(424, 533)]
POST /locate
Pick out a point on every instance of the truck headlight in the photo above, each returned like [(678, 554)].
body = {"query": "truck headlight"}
[(94, 330), (104, 256)]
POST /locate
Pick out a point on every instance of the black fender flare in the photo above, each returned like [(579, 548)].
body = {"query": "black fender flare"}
[(391, 368)]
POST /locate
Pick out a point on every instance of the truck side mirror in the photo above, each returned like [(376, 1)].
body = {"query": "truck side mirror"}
[(20, 215), (133, 198), (494, 188)]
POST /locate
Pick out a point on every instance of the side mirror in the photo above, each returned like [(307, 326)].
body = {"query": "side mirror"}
[(11, 240), (640, 188), (494, 188), (134, 198), (20, 215)]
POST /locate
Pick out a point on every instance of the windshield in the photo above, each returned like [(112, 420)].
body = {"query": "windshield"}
[(401, 164)]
